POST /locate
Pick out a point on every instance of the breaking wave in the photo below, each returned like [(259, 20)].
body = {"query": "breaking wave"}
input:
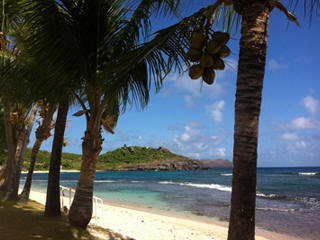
[(199, 185)]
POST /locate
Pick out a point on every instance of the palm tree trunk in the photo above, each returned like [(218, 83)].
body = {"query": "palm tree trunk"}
[(52, 208), (24, 196), (81, 209), (42, 134), (9, 173), (251, 68), (21, 153)]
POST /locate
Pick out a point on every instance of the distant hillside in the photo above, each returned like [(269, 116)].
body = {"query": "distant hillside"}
[(125, 158), (210, 163)]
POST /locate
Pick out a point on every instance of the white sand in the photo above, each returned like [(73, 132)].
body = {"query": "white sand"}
[(142, 224)]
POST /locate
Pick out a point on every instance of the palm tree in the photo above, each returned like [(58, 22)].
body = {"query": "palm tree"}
[(251, 68), (52, 207), (42, 134), (96, 43), (81, 38)]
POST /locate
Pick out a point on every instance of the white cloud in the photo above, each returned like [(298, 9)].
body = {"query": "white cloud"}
[(195, 141), (221, 152), (215, 111), (188, 100), (195, 88), (139, 140), (304, 123), (311, 104), (275, 65), (289, 136)]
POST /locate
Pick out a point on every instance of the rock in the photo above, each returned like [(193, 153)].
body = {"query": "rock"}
[(163, 149), (176, 164), (210, 163), (131, 149)]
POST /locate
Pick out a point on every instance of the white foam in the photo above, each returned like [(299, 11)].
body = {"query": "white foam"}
[(307, 173), (277, 209), (167, 182), (266, 195), (199, 185), (105, 181), (226, 174)]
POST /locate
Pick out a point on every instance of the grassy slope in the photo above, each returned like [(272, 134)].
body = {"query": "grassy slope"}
[(26, 221), (107, 161)]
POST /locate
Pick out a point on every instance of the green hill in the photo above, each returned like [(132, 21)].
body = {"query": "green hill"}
[(113, 160)]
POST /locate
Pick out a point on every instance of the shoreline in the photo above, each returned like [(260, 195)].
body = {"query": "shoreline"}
[(143, 223), (47, 171)]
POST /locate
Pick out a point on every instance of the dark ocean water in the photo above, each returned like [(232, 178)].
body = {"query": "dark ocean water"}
[(288, 199)]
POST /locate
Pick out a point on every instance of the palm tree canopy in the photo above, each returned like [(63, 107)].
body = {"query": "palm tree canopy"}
[(97, 44)]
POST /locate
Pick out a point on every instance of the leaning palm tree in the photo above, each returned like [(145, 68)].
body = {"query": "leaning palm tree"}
[(42, 133), (96, 43)]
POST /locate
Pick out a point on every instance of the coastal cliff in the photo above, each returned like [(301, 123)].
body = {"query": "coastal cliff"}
[(210, 163), (148, 159), (176, 164)]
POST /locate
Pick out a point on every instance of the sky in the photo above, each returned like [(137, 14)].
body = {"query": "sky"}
[(197, 121)]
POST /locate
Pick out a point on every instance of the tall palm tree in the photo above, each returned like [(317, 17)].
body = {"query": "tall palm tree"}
[(52, 207), (251, 68)]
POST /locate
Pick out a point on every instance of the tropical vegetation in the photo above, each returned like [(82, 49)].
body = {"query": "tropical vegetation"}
[(103, 55)]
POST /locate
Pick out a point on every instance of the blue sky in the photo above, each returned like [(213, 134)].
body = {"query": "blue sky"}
[(198, 121)]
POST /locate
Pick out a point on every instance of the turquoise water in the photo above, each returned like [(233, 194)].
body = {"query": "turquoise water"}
[(288, 199)]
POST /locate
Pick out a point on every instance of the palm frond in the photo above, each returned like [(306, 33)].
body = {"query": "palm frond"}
[(166, 51), (310, 7)]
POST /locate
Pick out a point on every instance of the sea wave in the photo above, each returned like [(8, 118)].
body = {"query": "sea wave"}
[(277, 209), (270, 196), (226, 174), (308, 173), (200, 185), (106, 181)]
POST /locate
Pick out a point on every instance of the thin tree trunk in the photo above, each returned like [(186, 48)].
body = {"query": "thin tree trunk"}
[(42, 134), (25, 142), (9, 174), (24, 196), (81, 209), (251, 68), (52, 208)]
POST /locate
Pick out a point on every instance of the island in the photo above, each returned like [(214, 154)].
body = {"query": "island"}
[(127, 158)]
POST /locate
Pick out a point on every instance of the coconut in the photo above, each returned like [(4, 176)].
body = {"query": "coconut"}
[(197, 41), (224, 52), (218, 64), (213, 47), (208, 75), (193, 55), (221, 37), (206, 60), (195, 71)]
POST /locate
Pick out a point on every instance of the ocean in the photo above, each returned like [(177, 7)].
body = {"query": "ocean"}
[(288, 199)]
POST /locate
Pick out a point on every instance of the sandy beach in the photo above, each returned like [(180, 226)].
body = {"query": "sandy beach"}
[(145, 224)]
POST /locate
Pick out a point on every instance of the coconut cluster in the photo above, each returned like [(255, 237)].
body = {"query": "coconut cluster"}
[(207, 54)]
